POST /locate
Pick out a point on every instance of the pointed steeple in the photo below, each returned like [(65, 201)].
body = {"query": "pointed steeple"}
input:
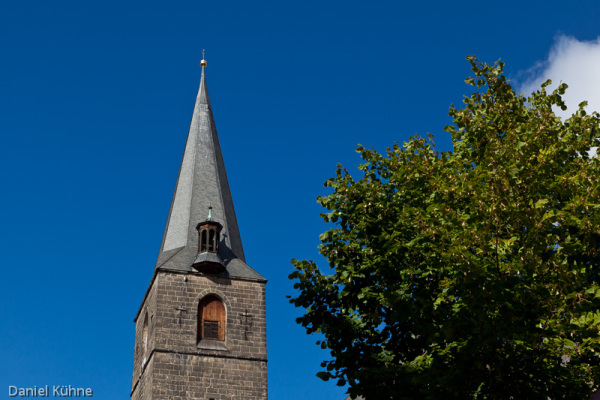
[(202, 183)]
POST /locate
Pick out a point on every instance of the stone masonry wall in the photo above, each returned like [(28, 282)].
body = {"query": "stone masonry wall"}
[(179, 368), (143, 384), (187, 377), (177, 313), (142, 352)]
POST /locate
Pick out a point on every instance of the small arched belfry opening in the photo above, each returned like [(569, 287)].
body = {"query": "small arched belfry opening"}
[(211, 319)]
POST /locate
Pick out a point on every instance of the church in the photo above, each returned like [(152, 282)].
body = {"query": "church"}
[(201, 328)]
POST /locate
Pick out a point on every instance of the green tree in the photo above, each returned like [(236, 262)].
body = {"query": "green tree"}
[(467, 274)]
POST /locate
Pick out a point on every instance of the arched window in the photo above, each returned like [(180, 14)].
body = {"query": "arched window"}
[(145, 338), (211, 319), (211, 240), (145, 333), (203, 242)]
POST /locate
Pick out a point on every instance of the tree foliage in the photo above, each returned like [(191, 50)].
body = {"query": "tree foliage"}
[(467, 274)]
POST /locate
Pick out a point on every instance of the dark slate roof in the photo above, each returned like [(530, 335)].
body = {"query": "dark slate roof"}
[(202, 182)]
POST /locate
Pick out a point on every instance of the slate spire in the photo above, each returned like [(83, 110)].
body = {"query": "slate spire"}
[(202, 183)]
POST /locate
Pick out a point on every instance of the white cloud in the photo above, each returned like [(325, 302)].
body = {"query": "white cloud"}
[(574, 62)]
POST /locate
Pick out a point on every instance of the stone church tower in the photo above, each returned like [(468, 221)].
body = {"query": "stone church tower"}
[(201, 329)]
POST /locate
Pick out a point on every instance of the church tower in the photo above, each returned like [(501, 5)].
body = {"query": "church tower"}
[(201, 329)]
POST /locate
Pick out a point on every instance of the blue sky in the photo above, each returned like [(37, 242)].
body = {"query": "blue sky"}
[(95, 103)]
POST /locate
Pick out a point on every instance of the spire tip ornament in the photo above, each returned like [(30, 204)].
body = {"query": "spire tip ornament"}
[(203, 62)]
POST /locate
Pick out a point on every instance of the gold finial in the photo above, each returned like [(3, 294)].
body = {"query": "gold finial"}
[(203, 62)]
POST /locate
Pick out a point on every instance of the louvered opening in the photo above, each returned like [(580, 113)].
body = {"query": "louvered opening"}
[(211, 330)]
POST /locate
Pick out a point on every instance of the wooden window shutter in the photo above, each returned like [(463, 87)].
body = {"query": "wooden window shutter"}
[(211, 325)]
